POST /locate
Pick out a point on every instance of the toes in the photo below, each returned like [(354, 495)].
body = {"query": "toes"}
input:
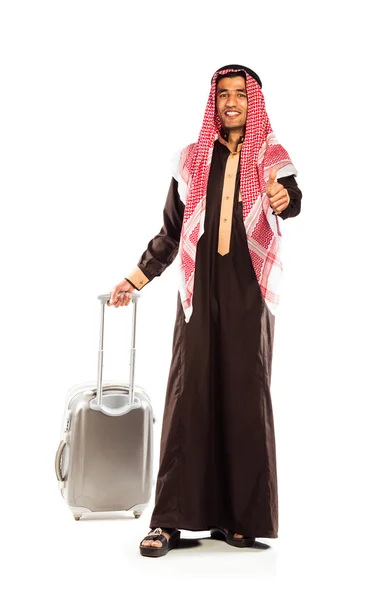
[(154, 543)]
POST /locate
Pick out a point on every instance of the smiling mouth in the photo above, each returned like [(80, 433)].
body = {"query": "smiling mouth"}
[(231, 113)]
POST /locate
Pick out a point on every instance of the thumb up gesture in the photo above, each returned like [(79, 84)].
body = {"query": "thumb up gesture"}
[(277, 194)]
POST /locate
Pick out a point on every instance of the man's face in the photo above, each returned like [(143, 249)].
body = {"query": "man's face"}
[(231, 102)]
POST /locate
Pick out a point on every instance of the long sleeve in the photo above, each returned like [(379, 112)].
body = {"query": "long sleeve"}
[(162, 249), (295, 194)]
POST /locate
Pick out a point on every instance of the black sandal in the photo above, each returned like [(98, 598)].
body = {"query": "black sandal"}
[(166, 546), (220, 533)]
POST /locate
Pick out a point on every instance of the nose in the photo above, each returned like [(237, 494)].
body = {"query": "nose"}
[(231, 101)]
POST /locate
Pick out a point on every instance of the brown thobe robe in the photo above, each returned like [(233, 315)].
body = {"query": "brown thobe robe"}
[(217, 454)]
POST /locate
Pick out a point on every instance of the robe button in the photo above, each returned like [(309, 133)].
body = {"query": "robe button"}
[(229, 175)]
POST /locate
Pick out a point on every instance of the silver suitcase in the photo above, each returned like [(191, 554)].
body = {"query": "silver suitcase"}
[(104, 460)]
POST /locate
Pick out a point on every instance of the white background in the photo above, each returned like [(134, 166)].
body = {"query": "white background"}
[(95, 99)]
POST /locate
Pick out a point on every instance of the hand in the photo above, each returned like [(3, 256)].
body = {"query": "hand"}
[(278, 195), (123, 299)]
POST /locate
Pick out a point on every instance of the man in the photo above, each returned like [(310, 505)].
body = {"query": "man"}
[(221, 219)]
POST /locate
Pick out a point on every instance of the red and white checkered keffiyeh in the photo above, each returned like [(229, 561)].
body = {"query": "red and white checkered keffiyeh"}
[(260, 153)]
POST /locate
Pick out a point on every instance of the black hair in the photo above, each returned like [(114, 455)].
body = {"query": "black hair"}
[(231, 74)]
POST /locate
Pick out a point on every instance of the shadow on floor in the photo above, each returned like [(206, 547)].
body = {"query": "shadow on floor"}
[(185, 543)]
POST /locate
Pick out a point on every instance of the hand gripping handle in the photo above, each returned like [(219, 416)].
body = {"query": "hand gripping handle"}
[(106, 297)]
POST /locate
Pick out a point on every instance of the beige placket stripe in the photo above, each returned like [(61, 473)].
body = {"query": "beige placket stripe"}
[(227, 203)]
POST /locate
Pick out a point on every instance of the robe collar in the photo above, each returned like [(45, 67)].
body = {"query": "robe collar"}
[(223, 139)]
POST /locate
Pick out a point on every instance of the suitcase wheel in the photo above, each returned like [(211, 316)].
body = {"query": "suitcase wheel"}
[(77, 517), (137, 515)]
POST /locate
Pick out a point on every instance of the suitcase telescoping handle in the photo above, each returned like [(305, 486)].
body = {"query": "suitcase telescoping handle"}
[(103, 299)]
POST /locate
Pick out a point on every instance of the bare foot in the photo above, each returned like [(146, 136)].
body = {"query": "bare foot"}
[(155, 543)]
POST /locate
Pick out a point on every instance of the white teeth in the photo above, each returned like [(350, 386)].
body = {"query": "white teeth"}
[(231, 114)]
